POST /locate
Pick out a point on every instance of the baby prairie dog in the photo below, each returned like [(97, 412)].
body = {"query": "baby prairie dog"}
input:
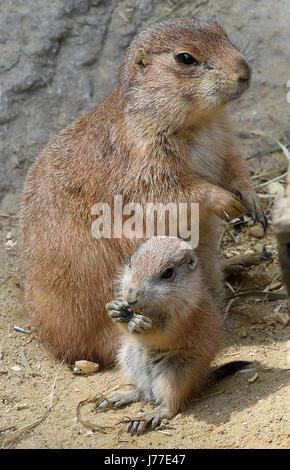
[(171, 331)]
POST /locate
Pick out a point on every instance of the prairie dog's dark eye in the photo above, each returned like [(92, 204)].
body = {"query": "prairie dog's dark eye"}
[(186, 59), (168, 273)]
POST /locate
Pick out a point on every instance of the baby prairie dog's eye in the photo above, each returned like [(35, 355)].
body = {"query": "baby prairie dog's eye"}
[(185, 58), (168, 273)]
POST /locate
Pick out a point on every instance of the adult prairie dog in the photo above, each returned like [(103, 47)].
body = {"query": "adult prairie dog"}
[(167, 346), (162, 136)]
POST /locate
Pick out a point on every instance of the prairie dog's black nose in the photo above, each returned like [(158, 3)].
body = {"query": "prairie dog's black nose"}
[(131, 296), (243, 69)]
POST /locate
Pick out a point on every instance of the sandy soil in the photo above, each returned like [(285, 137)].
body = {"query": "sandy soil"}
[(39, 395), (239, 412)]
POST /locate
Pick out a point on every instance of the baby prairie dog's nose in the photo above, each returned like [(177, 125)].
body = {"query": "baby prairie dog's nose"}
[(131, 295), (243, 69)]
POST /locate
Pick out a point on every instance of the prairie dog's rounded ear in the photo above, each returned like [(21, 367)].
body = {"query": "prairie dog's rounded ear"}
[(142, 58), (139, 63)]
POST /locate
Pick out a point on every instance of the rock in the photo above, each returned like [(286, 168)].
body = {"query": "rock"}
[(19, 329), (256, 231), (235, 252), (249, 252), (276, 317), (10, 244), (17, 370), (21, 406), (85, 367), (288, 357), (63, 62), (276, 188)]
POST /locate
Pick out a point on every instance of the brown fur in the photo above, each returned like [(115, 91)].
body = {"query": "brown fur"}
[(150, 140), (185, 321)]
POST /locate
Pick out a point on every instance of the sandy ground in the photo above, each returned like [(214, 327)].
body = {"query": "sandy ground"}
[(39, 395)]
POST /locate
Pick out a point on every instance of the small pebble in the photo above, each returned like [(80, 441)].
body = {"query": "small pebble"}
[(19, 329), (17, 370), (256, 231), (85, 367), (9, 236), (243, 334), (10, 244), (22, 406), (276, 188), (249, 252)]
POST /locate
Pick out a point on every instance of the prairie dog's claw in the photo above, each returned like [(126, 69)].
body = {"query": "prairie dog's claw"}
[(252, 202), (227, 206), (148, 421)]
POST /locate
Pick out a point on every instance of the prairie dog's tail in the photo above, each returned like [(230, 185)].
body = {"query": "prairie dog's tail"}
[(227, 369)]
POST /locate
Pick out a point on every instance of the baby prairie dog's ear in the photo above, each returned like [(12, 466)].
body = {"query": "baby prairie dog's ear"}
[(192, 262), (191, 259)]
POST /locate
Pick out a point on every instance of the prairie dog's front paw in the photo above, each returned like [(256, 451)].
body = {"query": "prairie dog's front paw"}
[(119, 312), (226, 205), (139, 323), (252, 202)]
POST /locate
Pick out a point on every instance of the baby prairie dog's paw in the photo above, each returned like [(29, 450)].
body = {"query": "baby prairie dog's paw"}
[(119, 312), (139, 323), (225, 204)]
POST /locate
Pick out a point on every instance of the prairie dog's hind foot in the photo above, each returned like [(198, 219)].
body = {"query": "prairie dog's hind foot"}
[(149, 421), (240, 263), (117, 399)]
